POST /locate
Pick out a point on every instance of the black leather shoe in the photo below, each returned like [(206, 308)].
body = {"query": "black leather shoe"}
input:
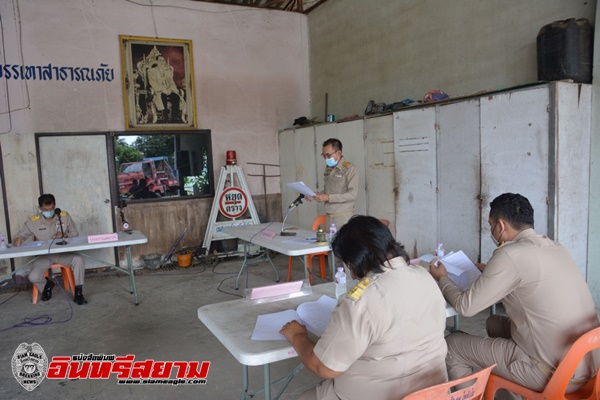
[(47, 293), (79, 299)]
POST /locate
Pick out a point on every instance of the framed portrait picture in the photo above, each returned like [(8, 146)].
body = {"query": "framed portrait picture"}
[(158, 83)]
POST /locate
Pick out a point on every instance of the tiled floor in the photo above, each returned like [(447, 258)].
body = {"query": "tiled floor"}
[(164, 326)]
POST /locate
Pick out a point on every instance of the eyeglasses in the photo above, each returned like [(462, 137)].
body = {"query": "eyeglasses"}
[(328, 155)]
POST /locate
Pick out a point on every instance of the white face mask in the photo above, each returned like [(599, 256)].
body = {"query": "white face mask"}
[(496, 241)]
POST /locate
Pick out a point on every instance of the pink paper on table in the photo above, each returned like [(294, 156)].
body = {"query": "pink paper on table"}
[(108, 237), (268, 234), (275, 290)]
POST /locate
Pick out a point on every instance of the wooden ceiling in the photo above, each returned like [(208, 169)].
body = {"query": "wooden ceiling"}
[(299, 6)]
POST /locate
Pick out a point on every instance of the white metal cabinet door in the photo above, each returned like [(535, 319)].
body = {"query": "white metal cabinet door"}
[(514, 153), (379, 169), (415, 167), (459, 177), (572, 118)]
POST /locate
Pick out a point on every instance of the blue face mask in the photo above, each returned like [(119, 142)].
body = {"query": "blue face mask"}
[(48, 214), (331, 162)]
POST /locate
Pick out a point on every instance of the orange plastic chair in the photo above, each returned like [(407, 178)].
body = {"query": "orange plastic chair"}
[(444, 391), (557, 385), (68, 280), (320, 220)]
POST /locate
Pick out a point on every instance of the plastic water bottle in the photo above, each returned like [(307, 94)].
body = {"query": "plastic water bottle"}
[(440, 251), (2, 242), (332, 231), (340, 283)]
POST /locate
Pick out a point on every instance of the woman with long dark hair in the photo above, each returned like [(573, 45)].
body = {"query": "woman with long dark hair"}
[(385, 338)]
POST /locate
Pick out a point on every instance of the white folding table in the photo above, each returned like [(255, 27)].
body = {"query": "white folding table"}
[(78, 245), (233, 322), (268, 235)]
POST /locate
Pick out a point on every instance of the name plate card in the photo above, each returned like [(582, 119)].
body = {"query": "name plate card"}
[(268, 234), (108, 237)]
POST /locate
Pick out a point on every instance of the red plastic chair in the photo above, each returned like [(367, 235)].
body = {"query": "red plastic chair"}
[(320, 220), (557, 385), (68, 280), (444, 391)]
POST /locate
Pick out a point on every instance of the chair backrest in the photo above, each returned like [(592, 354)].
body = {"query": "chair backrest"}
[(320, 220), (443, 391), (564, 372)]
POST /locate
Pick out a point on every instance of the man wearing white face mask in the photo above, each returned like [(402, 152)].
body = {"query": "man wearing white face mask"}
[(46, 226), (548, 303), (341, 184)]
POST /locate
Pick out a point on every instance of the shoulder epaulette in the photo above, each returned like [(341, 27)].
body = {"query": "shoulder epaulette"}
[(347, 164), (35, 217), (359, 289), (63, 213)]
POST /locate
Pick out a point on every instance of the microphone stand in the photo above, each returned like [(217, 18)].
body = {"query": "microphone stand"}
[(63, 241), (124, 223), (283, 231)]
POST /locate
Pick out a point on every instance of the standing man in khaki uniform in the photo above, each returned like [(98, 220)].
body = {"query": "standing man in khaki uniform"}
[(548, 303), (45, 226), (341, 184), (376, 345)]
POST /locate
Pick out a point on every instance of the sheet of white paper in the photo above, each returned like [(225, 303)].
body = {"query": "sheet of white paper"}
[(268, 325), (316, 314), (300, 187), (31, 244), (461, 270)]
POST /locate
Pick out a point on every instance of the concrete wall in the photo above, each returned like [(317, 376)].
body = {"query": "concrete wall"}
[(593, 277), (389, 50), (251, 80)]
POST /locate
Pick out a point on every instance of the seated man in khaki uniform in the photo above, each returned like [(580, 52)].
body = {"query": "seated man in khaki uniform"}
[(45, 226), (377, 344), (341, 184), (548, 303)]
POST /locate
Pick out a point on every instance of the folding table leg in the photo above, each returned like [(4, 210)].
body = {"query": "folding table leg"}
[(272, 266), (237, 286), (132, 288), (244, 382), (267, 373)]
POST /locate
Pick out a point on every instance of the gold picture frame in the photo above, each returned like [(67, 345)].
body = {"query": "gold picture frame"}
[(158, 83)]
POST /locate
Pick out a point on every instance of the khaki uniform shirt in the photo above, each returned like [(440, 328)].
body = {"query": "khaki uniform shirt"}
[(341, 184), (386, 335), (542, 290), (39, 228)]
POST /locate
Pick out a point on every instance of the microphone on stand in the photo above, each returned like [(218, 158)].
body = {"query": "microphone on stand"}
[(57, 211), (295, 204)]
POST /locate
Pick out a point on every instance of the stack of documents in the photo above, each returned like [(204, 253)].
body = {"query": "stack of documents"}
[(460, 269)]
